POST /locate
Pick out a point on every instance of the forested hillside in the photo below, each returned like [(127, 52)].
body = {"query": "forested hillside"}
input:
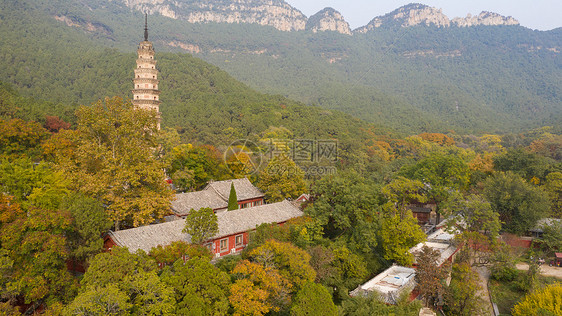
[(418, 78), (77, 162), (48, 61)]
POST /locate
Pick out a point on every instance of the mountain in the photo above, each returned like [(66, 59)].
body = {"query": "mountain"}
[(328, 19), (426, 77), (276, 13), (419, 14)]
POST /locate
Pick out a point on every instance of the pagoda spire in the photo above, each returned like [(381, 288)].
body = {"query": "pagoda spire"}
[(146, 27), (145, 83)]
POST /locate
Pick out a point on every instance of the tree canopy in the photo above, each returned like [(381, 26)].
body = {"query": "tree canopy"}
[(541, 302), (282, 179), (201, 224), (115, 160), (518, 203)]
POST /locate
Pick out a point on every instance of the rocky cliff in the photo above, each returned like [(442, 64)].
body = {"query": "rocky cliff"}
[(328, 19), (485, 18), (419, 14), (276, 13), (284, 17)]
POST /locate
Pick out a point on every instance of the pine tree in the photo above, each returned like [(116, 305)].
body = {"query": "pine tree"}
[(232, 199)]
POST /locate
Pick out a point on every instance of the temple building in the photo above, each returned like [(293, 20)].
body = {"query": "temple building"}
[(145, 92)]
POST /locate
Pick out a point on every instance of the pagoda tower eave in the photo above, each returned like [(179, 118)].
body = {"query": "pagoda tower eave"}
[(145, 83)]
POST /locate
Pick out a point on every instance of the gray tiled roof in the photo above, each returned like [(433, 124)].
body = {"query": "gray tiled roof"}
[(231, 222), (148, 237), (184, 202), (248, 218), (244, 189), (214, 195)]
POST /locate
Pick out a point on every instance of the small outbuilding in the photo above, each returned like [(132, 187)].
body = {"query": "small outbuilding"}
[(558, 259)]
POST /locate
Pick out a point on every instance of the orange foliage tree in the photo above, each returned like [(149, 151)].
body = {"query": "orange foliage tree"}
[(438, 138)]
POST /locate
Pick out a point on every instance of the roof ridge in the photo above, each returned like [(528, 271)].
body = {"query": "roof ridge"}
[(217, 192)]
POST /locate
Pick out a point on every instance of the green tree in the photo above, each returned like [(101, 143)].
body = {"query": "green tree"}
[(99, 301), (443, 173), (200, 288), (313, 299), (547, 301), (401, 191), (503, 264), (346, 206), (177, 249), (349, 269), (518, 203), (89, 223), (107, 268), (232, 199), (523, 163), (191, 167), (372, 305), (34, 244), (116, 161), (281, 179), (463, 295), (148, 294), (24, 180), (134, 275), (398, 235), (553, 186), (338, 268), (265, 232), (551, 240), (471, 213), (201, 225)]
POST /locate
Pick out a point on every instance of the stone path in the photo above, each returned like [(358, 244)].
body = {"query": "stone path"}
[(484, 274)]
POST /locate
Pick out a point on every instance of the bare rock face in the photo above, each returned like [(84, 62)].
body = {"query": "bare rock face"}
[(409, 15), (485, 18), (276, 13), (328, 19), (87, 26), (419, 14)]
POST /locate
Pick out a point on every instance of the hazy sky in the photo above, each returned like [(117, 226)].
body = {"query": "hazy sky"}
[(534, 14)]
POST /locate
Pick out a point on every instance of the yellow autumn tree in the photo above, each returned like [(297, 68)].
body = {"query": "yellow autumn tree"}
[(258, 289), (547, 301), (116, 161)]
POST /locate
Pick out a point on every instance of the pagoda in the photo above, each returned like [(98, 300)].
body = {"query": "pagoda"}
[(145, 92)]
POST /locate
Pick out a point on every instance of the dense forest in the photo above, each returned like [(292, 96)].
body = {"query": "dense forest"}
[(77, 159), (63, 187), (475, 79)]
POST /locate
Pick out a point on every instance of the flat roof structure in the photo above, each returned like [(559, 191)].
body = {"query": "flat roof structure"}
[(441, 241), (445, 250), (389, 284), (441, 235)]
